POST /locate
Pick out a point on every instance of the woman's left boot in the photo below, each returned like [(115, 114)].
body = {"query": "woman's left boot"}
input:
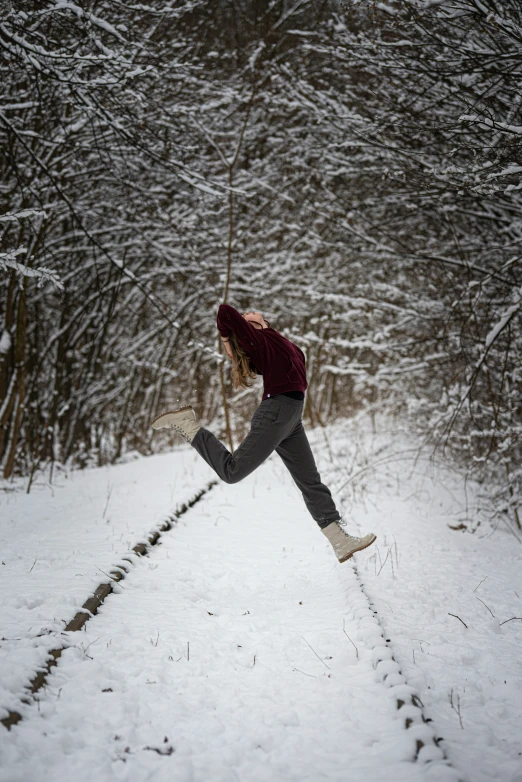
[(182, 421), (343, 544)]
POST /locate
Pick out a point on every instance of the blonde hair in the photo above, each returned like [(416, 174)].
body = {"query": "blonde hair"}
[(243, 375)]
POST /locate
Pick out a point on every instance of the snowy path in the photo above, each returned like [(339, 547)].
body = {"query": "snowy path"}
[(212, 648), (59, 541)]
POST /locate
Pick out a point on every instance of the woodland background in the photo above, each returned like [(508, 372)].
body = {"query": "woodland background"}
[(351, 169)]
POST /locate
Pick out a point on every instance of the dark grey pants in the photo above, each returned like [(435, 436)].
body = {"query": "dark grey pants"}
[(276, 425)]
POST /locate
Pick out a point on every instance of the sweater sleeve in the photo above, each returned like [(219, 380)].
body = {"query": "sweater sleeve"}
[(251, 340), (301, 352)]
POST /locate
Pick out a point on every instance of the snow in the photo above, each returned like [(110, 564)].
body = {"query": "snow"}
[(5, 342), (489, 123), (255, 54), (504, 320), (513, 168), (12, 384), (7, 261), (58, 541), (11, 217), (80, 13), (240, 649)]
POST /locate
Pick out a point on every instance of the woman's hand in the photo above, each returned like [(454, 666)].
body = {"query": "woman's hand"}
[(227, 346)]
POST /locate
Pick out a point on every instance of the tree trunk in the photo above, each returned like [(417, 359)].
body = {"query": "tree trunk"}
[(21, 331)]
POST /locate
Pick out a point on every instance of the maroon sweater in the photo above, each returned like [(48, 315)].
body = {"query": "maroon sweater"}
[(281, 363)]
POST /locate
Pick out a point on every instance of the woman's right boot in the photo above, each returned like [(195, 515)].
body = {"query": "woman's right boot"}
[(343, 544)]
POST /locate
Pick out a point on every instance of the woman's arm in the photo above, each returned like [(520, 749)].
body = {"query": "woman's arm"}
[(227, 346)]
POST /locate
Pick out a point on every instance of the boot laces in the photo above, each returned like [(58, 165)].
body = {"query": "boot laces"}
[(181, 432), (342, 523)]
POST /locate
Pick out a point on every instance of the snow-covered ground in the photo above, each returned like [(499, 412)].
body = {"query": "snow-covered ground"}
[(60, 541), (240, 649), (423, 575)]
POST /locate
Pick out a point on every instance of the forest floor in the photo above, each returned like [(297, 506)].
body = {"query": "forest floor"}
[(239, 649)]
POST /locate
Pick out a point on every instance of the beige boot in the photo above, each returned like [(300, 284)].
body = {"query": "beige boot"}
[(343, 544), (182, 421)]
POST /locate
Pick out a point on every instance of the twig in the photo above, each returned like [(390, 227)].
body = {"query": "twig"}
[(483, 603), (388, 459), (32, 566), (457, 709), (109, 576), (85, 650), (91, 643), (421, 642), (109, 492), (346, 634), (188, 650), (306, 674), (386, 557), (313, 650), (510, 620), (396, 552), (458, 617), (480, 583)]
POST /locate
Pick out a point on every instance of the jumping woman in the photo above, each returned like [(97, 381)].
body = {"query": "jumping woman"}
[(257, 349)]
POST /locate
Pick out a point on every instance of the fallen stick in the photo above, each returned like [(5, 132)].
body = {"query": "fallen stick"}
[(458, 617)]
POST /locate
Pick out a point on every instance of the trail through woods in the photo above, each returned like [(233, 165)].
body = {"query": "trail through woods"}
[(239, 649)]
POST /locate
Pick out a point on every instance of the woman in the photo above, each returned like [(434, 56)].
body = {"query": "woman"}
[(256, 348)]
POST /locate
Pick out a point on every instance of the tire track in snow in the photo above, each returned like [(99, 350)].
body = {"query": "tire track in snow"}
[(92, 604), (409, 704)]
